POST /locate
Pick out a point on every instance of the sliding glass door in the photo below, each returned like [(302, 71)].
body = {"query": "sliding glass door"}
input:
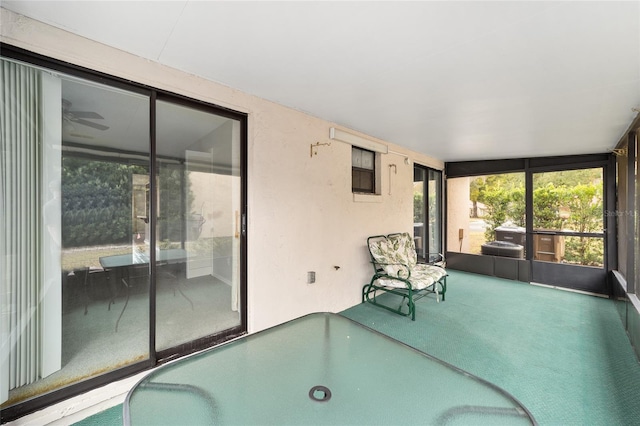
[(121, 231), (427, 208)]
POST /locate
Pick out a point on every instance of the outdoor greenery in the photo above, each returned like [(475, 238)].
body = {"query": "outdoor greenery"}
[(170, 220), (568, 200), (418, 205), (97, 202)]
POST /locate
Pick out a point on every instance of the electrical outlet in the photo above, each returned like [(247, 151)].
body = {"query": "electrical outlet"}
[(311, 277)]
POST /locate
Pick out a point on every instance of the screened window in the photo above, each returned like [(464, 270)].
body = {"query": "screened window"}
[(568, 217), (486, 209), (622, 209)]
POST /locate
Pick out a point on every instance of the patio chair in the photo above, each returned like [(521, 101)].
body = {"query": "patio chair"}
[(397, 271), (83, 278)]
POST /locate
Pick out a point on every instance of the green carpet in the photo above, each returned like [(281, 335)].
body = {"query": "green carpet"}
[(109, 417), (564, 356)]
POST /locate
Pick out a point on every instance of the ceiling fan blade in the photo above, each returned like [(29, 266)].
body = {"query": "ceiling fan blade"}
[(79, 135), (90, 124), (86, 114)]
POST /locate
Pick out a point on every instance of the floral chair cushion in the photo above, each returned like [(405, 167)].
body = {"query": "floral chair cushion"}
[(397, 256), (422, 276)]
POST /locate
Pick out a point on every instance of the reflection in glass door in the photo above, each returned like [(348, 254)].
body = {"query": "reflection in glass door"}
[(198, 224), (125, 249), (427, 207), (75, 301)]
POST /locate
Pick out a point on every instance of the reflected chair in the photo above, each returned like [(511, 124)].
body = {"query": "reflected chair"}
[(74, 289), (397, 271), (130, 275), (174, 274), (83, 278), (139, 274)]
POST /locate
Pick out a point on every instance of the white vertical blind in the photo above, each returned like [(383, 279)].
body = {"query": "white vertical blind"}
[(51, 224), (21, 226)]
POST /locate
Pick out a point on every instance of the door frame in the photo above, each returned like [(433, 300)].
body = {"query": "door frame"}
[(576, 277)]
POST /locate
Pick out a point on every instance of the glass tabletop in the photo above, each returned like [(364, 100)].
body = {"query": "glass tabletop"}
[(321, 368), (141, 258)]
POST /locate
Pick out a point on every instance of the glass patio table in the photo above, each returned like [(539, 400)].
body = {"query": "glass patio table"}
[(321, 368)]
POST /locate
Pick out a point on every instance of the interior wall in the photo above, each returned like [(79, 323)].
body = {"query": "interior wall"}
[(302, 215)]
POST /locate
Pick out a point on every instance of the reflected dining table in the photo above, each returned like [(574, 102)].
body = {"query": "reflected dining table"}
[(121, 266)]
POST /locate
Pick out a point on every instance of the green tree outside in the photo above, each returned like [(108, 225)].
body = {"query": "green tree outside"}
[(97, 202), (567, 200)]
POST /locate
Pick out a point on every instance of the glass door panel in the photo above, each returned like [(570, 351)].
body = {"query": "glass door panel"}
[(427, 217), (434, 207), (75, 149), (419, 212), (198, 224), (105, 154)]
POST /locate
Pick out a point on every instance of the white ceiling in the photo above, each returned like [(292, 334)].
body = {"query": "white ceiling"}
[(454, 80)]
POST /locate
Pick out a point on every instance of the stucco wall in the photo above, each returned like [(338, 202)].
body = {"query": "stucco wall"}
[(458, 214), (302, 215)]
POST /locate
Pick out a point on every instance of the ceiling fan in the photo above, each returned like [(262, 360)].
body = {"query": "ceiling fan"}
[(81, 117)]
